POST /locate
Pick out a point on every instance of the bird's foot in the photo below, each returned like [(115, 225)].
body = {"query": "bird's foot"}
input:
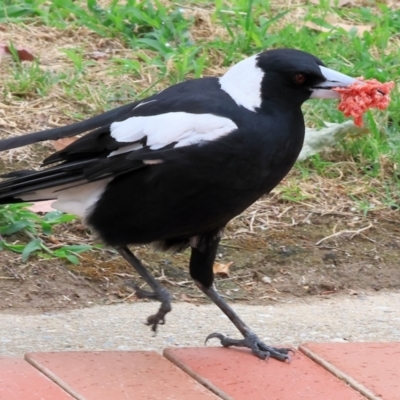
[(163, 296), (257, 347), (159, 316)]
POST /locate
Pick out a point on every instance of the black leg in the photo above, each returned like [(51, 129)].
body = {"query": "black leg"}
[(201, 264), (158, 293), (250, 340), (141, 293)]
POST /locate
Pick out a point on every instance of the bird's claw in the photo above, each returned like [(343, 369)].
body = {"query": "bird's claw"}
[(155, 320), (162, 296), (165, 308), (258, 348), (216, 335)]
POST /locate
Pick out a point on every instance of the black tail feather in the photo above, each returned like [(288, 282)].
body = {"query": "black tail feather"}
[(69, 130)]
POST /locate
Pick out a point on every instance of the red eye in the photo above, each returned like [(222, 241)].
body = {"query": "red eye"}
[(299, 79)]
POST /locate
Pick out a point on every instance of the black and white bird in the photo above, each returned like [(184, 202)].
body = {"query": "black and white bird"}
[(173, 169)]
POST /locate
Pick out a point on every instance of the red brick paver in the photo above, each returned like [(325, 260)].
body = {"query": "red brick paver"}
[(113, 375), (237, 374), (372, 368), (20, 381)]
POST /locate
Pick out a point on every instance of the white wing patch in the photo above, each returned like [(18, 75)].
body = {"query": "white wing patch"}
[(79, 200), (243, 83), (163, 129)]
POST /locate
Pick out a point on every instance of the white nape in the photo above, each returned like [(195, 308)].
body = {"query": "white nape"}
[(243, 83)]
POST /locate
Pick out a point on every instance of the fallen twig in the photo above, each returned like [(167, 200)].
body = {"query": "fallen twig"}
[(345, 232)]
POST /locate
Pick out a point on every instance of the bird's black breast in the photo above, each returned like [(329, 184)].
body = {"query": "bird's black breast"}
[(200, 188)]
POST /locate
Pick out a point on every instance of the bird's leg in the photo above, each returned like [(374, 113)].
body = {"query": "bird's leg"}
[(201, 263), (250, 340), (158, 293), (141, 293)]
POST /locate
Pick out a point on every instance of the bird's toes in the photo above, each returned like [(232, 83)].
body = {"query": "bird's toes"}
[(216, 335), (257, 347), (280, 350), (155, 320), (264, 352)]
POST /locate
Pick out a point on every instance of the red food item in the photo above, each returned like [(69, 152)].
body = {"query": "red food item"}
[(362, 95)]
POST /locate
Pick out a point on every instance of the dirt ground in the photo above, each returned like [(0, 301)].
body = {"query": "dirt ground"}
[(268, 266)]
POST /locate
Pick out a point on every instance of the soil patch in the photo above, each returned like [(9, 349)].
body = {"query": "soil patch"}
[(267, 267)]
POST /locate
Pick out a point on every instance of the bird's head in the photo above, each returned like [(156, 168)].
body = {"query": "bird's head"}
[(281, 75)]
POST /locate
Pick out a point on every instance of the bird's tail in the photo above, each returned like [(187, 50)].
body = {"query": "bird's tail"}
[(66, 184), (26, 185), (106, 118)]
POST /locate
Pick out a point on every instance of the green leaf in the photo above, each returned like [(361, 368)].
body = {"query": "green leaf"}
[(71, 258), (14, 227), (78, 248), (46, 228), (57, 217), (34, 245)]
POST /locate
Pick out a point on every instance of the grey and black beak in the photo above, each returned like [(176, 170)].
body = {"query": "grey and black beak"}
[(333, 79)]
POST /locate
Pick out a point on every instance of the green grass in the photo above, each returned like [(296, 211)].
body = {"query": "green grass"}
[(16, 219), (163, 43)]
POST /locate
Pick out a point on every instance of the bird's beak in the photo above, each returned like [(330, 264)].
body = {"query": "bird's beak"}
[(333, 79)]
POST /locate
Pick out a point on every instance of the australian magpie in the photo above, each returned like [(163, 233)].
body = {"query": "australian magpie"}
[(174, 168)]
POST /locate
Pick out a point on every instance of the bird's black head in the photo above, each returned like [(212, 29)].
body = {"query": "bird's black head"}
[(281, 76), (289, 75)]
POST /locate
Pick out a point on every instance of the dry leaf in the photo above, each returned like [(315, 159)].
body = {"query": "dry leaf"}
[(284, 271), (327, 292), (63, 143), (222, 269), (41, 117), (184, 297), (98, 55), (23, 53), (53, 240)]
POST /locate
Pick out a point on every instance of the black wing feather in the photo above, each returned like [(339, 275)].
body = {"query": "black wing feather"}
[(117, 114), (189, 96), (87, 159)]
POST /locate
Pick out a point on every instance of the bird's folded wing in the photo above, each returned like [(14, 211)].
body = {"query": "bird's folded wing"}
[(123, 146)]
